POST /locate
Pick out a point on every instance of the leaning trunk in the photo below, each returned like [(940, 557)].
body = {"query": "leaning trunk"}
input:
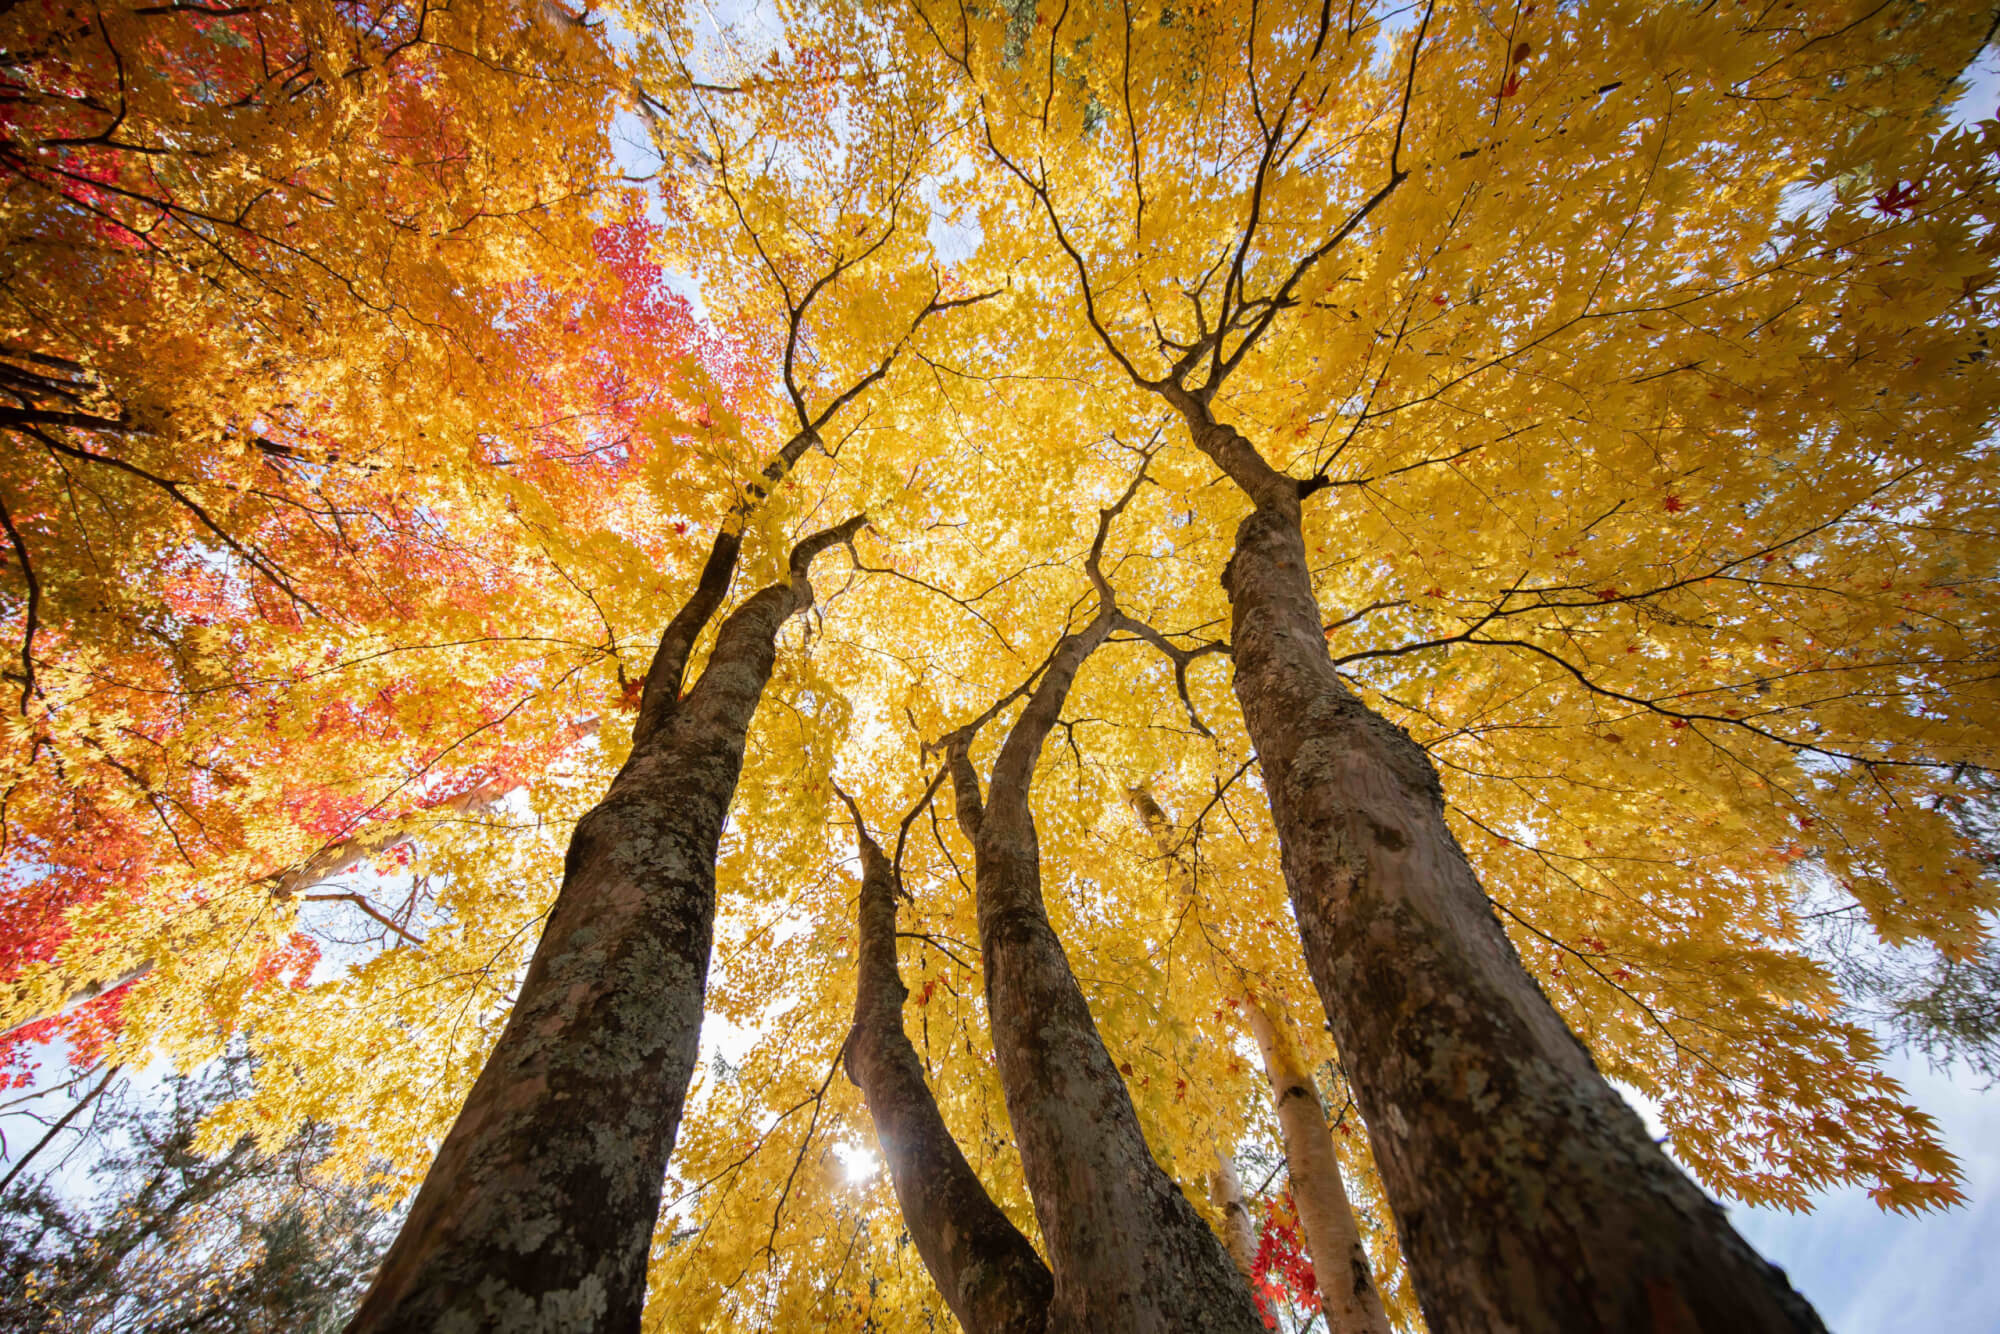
[(1527, 1194), (1340, 1265), (538, 1213), (327, 864), (990, 1276), (1128, 1250)]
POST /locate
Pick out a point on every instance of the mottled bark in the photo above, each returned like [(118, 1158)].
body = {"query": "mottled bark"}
[(1239, 1234), (989, 1274), (1528, 1195), (1326, 1216), (539, 1211), (1128, 1250)]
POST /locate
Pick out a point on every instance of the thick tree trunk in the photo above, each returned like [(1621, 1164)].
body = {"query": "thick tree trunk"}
[(538, 1213), (1128, 1251), (1528, 1195), (1340, 1264), (990, 1276)]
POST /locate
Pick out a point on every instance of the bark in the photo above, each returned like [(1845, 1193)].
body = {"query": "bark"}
[(1239, 1236), (538, 1213), (1128, 1250), (990, 1276), (84, 994), (1333, 1241), (1528, 1195)]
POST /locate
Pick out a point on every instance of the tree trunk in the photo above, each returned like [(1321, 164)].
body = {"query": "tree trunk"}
[(990, 1276), (1128, 1251), (1239, 1236), (1340, 1264), (1333, 1240), (538, 1213), (1528, 1195)]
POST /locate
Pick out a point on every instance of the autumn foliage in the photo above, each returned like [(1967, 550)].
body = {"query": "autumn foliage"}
[(369, 407)]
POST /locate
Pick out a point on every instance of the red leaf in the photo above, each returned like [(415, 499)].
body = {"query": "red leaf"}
[(1899, 198), (1521, 52)]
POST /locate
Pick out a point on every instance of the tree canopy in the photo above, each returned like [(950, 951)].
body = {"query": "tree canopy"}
[(369, 411)]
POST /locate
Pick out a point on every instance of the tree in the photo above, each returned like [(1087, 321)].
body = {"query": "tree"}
[(1340, 1268), (212, 219), (1476, 1095), (1125, 1247), (240, 1237), (1536, 413), (989, 1274), (539, 1210)]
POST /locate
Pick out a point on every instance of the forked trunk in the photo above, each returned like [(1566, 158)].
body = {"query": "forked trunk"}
[(1340, 1265), (538, 1213), (990, 1276), (1528, 1195), (1128, 1250)]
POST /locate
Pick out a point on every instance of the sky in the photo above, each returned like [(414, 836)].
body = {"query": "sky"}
[(1873, 1273)]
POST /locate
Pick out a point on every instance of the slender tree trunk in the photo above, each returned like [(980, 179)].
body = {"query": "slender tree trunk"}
[(1528, 1195), (1128, 1251), (538, 1213), (1340, 1264), (1333, 1239), (990, 1276), (342, 857), (1239, 1236), (61, 1123)]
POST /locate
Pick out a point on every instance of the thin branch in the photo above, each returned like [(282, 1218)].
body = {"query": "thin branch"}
[(31, 616), (57, 1128)]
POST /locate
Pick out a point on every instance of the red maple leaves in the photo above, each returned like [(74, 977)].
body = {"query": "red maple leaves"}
[(1513, 83), (1281, 1270)]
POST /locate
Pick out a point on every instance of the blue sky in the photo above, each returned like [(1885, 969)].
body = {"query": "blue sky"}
[(1872, 1273)]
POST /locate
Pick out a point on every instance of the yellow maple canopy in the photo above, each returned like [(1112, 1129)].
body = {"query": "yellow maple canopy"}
[(1630, 361)]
